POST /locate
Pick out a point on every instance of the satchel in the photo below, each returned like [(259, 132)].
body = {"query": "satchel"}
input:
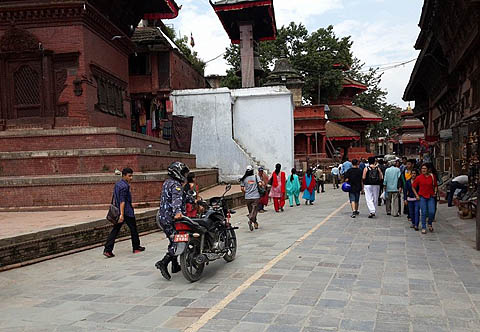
[(113, 214), (261, 190)]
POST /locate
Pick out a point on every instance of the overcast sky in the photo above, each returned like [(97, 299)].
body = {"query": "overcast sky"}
[(383, 31)]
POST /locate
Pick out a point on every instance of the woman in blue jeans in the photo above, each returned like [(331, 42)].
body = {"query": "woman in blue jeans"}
[(425, 189), (410, 198)]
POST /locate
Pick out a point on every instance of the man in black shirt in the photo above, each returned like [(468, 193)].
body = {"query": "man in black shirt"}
[(354, 177)]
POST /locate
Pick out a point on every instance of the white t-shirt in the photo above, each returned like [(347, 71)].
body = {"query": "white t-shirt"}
[(462, 179)]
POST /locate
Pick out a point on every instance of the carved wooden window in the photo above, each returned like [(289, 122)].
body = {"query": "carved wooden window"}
[(110, 90), (27, 86)]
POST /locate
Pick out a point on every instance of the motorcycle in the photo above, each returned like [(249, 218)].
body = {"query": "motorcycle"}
[(206, 239)]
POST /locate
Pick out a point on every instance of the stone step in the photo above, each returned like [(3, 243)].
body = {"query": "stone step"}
[(83, 161), (76, 138), (84, 191)]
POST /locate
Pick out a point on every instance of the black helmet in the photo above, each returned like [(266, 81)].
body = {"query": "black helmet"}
[(178, 171)]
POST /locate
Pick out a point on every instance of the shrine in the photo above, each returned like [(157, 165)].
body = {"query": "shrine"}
[(247, 22), (65, 104), (409, 135)]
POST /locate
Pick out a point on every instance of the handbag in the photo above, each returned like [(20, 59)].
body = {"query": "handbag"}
[(113, 214), (261, 190)]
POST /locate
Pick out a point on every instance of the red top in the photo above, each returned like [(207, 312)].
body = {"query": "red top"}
[(425, 185)]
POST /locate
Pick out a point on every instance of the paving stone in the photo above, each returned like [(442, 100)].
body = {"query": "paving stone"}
[(259, 317)]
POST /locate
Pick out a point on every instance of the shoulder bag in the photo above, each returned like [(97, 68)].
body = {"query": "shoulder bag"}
[(261, 190), (113, 214)]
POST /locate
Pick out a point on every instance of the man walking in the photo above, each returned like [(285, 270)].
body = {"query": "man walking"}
[(122, 199), (320, 179), (459, 182), (372, 178), (392, 175), (335, 173), (354, 177)]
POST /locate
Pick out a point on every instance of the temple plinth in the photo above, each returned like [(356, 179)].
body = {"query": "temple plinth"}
[(247, 22)]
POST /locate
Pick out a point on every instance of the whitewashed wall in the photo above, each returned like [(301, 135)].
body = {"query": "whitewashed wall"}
[(261, 119)]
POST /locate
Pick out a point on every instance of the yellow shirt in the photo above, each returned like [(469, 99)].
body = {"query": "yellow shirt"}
[(408, 175)]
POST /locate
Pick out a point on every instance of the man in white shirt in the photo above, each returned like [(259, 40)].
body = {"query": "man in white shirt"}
[(460, 182), (335, 173)]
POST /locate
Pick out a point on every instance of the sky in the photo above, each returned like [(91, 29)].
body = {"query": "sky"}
[(383, 32)]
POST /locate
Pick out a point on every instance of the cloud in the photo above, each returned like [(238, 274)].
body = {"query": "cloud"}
[(302, 11), (379, 43)]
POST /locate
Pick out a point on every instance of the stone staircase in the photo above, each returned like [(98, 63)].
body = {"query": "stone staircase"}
[(254, 161)]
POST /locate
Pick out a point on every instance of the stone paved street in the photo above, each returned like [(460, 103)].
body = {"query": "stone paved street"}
[(345, 275)]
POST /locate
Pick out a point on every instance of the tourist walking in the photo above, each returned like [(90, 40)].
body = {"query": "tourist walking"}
[(459, 182), (391, 184), (250, 184), (320, 179), (122, 198), (354, 178), (293, 188), (277, 192), (335, 174), (407, 175), (172, 208), (263, 201), (308, 187), (346, 166), (383, 167), (425, 189), (410, 198), (372, 178)]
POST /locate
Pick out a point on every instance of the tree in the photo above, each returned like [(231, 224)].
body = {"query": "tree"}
[(374, 99), (182, 43), (313, 55)]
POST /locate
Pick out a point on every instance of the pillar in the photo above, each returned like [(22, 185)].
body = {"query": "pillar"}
[(309, 144), (246, 53), (324, 143)]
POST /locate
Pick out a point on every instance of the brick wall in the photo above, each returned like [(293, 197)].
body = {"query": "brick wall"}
[(88, 194), (88, 164), (84, 141)]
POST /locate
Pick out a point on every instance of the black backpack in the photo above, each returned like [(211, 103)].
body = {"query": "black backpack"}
[(373, 176)]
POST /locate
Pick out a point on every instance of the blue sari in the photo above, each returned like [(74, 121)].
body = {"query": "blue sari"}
[(310, 196)]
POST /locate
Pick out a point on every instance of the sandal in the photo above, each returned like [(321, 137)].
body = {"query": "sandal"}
[(430, 228), (255, 224), (250, 226)]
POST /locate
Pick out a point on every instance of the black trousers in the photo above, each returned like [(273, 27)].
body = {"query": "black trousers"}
[(132, 224), (320, 184)]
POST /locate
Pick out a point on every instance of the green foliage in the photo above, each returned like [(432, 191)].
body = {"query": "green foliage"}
[(182, 43), (374, 99), (313, 55)]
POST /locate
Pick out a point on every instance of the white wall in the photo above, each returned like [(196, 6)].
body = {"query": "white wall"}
[(262, 123)]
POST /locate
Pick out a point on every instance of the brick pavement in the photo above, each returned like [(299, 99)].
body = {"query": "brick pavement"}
[(349, 275)]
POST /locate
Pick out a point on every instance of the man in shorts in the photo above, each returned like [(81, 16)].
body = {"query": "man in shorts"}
[(354, 177)]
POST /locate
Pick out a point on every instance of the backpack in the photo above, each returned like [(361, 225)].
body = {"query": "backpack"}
[(373, 176)]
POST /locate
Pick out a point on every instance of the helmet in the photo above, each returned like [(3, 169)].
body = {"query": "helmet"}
[(178, 171), (346, 187)]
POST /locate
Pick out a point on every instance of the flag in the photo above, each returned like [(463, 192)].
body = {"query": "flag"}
[(192, 42)]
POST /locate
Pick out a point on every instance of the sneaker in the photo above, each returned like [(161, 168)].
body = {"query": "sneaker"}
[(389, 214), (108, 254), (255, 224), (138, 250), (371, 215), (250, 226), (281, 209), (353, 214), (424, 231), (357, 212), (416, 229)]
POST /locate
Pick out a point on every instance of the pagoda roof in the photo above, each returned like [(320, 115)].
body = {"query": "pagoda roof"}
[(284, 74), (260, 12), (350, 113), (408, 138), (351, 83), (161, 9), (337, 132), (412, 123)]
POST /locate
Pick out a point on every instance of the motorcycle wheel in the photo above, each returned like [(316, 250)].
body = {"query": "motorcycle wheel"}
[(231, 241), (190, 269)]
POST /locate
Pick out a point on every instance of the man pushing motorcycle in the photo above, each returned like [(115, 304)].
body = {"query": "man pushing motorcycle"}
[(172, 208)]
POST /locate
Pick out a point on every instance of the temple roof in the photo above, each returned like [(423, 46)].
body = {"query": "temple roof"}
[(338, 132), (351, 83), (349, 113), (408, 138), (260, 12), (412, 123), (284, 74)]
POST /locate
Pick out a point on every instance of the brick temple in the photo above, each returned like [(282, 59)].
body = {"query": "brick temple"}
[(66, 104)]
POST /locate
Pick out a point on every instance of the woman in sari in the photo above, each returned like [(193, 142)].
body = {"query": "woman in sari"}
[(277, 192), (293, 188), (308, 187)]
